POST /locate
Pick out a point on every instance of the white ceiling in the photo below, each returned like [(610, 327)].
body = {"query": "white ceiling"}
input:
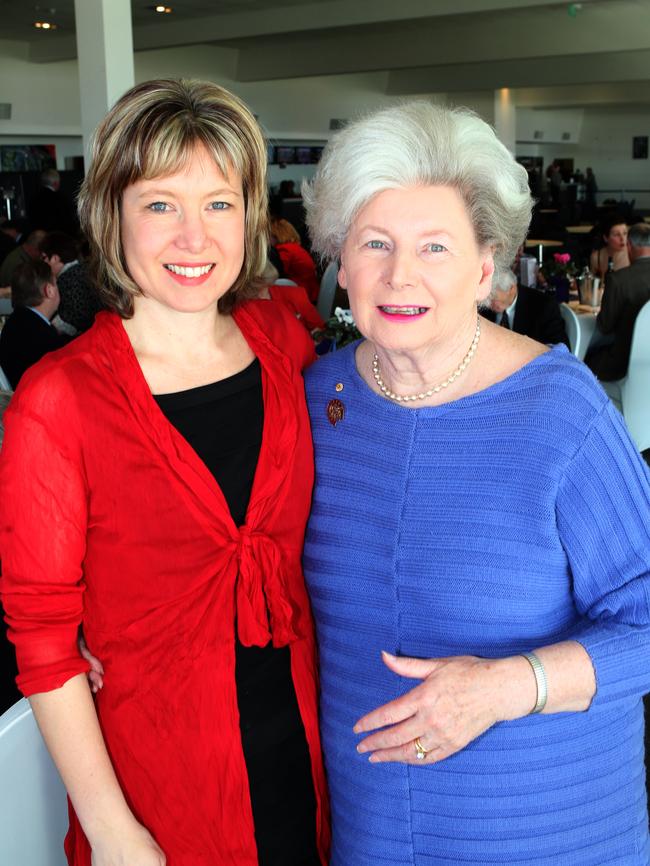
[(548, 51)]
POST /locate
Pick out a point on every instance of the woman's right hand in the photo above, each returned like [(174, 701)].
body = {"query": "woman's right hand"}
[(135, 847)]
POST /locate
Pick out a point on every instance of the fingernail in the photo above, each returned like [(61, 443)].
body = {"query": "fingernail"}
[(361, 748), (373, 759), (387, 654)]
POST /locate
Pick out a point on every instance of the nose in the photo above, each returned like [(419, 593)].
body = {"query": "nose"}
[(402, 270), (192, 234)]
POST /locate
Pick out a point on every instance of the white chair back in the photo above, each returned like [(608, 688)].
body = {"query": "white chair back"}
[(572, 329), (635, 387), (5, 385), (327, 291), (33, 805)]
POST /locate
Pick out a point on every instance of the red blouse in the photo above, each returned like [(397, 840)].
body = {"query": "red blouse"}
[(110, 519)]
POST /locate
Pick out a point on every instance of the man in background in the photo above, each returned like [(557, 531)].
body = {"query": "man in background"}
[(28, 333), (27, 251), (51, 209), (524, 310), (626, 291)]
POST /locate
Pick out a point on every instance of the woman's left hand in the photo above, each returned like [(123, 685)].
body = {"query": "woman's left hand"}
[(458, 699)]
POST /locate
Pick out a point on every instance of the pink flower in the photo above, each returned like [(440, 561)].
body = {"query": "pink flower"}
[(562, 258)]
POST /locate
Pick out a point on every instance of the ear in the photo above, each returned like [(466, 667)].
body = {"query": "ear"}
[(49, 290), (487, 272), (342, 276)]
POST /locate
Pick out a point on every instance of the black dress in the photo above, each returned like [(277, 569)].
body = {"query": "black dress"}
[(223, 422)]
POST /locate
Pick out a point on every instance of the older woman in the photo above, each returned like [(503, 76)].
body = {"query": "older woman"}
[(478, 551), (156, 477)]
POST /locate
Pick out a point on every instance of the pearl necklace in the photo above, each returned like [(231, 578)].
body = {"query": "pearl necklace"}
[(398, 398)]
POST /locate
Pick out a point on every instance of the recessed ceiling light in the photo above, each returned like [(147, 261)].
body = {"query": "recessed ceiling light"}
[(165, 9), (45, 25)]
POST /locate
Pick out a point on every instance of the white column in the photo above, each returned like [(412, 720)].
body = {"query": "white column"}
[(505, 117), (105, 52)]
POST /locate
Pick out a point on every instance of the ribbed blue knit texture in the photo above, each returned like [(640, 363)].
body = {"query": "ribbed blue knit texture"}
[(502, 522)]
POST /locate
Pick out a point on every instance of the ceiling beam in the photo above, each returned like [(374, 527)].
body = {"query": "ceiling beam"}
[(620, 66), (486, 37)]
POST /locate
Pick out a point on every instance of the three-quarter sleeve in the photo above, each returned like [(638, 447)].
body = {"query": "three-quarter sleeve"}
[(43, 518), (603, 513)]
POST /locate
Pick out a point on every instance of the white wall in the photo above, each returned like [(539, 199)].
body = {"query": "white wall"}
[(606, 145)]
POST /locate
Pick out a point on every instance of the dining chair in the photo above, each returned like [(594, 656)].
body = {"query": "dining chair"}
[(631, 395), (33, 804), (327, 291), (5, 384), (572, 326)]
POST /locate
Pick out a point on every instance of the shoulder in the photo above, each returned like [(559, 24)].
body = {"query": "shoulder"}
[(330, 366), (280, 326), (561, 387), (62, 374)]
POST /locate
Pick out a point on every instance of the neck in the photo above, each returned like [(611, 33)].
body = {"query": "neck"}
[(408, 372), (155, 330)]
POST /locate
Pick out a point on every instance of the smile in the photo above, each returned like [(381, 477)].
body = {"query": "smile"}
[(189, 271), (403, 311)]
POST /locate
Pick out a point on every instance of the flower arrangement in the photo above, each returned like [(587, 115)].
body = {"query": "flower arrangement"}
[(560, 266), (340, 329)]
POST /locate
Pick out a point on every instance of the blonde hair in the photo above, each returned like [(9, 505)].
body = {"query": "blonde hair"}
[(412, 144), (150, 132), (284, 232)]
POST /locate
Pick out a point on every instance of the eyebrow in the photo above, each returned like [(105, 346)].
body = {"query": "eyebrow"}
[(226, 190), (426, 233)]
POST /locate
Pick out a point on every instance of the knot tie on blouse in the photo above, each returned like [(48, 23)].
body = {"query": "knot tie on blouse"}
[(264, 607)]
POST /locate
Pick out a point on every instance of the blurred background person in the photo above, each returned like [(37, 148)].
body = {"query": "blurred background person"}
[(27, 251), (297, 264), (531, 312), (626, 291), (80, 300), (613, 248), (28, 333), (51, 209), (293, 297)]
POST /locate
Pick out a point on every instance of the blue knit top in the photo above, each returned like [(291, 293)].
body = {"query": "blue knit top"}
[(498, 523)]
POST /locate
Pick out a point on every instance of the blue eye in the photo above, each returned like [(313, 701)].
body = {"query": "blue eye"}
[(435, 248), (158, 206), (219, 205), (376, 245)]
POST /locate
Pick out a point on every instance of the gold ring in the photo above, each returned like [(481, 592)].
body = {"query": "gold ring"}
[(420, 751)]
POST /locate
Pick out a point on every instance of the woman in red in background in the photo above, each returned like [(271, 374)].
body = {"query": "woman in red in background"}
[(293, 297), (297, 263), (155, 483)]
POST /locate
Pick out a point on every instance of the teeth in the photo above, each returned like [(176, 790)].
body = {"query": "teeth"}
[(405, 311), (189, 272)]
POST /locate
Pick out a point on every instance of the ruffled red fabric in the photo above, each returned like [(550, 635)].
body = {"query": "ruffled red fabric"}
[(108, 518)]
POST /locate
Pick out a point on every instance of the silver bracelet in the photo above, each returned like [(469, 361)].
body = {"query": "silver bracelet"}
[(540, 679)]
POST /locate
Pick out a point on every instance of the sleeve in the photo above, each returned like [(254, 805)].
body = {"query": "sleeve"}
[(603, 514), (308, 312), (43, 518)]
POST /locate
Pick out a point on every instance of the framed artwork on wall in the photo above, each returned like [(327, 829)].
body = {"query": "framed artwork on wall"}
[(640, 147)]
